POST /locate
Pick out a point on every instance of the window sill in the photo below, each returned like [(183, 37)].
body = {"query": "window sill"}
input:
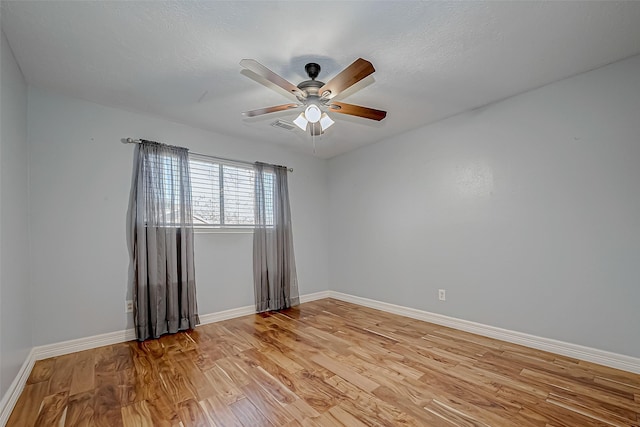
[(222, 230)]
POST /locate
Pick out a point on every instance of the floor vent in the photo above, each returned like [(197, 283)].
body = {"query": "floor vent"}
[(284, 125)]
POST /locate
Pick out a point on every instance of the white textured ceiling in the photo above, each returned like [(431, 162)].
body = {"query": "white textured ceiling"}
[(179, 60)]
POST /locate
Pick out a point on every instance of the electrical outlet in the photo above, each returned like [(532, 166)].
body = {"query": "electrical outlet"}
[(442, 294), (128, 306)]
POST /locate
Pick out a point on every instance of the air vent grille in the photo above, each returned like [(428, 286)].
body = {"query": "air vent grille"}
[(284, 125)]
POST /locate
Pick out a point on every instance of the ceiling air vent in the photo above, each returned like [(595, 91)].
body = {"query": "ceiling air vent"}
[(284, 125)]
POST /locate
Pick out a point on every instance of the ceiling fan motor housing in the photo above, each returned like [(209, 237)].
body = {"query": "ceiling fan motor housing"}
[(310, 87), (312, 70)]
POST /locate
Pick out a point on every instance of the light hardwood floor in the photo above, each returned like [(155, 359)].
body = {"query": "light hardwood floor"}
[(325, 363)]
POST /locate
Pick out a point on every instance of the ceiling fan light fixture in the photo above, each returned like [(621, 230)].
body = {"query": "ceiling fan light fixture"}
[(314, 96), (301, 122), (325, 121), (312, 113)]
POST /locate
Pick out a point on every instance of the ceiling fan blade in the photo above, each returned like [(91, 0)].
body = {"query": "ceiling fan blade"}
[(356, 110), (351, 75), (267, 110), (261, 70)]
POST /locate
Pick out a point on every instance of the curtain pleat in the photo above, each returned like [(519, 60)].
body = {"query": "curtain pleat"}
[(274, 265), (160, 227)]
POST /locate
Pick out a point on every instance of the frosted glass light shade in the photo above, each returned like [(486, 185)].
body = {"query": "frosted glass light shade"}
[(325, 121), (312, 113), (301, 122)]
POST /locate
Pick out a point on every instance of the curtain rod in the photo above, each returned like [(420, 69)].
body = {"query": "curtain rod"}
[(138, 141)]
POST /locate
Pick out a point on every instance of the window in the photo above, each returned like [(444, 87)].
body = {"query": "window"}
[(223, 193)]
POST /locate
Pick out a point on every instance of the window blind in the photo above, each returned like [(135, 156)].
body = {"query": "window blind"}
[(223, 193)]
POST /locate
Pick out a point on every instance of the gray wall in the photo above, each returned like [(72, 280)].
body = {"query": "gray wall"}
[(15, 306), (79, 192), (527, 212)]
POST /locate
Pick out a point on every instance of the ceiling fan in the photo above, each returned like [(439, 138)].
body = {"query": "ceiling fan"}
[(317, 97)]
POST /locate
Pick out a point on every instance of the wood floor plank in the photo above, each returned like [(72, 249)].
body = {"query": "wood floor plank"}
[(248, 414), (324, 363), (137, 415), (452, 416), (224, 386), (281, 359), (339, 416), (195, 379), (41, 371), (375, 409), (145, 365), (80, 410), (163, 412), (268, 405), (106, 406), (610, 373), (232, 367), (192, 414), (219, 412), (346, 372), (124, 352), (175, 385), (62, 373), (311, 387), (53, 411), (273, 385), (595, 412), (28, 405), (83, 378), (111, 418), (104, 359), (559, 383), (301, 410)]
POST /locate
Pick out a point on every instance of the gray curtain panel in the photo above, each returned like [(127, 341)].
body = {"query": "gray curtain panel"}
[(161, 241), (274, 264)]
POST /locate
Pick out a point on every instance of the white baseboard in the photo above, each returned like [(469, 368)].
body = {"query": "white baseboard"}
[(219, 316), (251, 309), (65, 347), (601, 357), (15, 389), (314, 296)]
